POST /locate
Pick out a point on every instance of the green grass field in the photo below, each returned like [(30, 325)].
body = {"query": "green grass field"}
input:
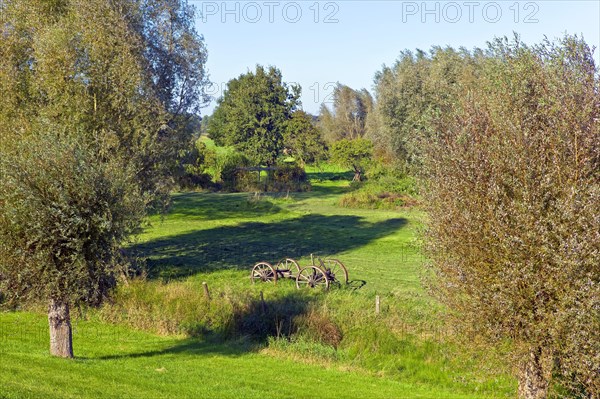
[(210, 232), (217, 238), (114, 362)]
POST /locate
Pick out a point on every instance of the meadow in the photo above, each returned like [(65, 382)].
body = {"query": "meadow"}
[(159, 336)]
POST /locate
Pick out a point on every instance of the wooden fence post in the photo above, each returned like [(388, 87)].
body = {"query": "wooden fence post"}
[(206, 293), (377, 304)]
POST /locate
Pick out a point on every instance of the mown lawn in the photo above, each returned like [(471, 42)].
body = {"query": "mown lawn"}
[(116, 362), (207, 232)]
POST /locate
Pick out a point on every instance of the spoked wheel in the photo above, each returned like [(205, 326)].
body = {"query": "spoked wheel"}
[(312, 277), (287, 267), (335, 271), (264, 272)]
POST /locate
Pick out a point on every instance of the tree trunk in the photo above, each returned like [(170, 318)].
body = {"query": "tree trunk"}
[(532, 382), (357, 175), (61, 336)]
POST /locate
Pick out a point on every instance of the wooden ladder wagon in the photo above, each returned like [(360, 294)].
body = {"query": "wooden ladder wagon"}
[(325, 273)]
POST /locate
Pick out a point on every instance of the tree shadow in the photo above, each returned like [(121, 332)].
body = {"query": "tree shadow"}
[(323, 175), (216, 206), (192, 346), (241, 246), (248, 331), (325, 191)]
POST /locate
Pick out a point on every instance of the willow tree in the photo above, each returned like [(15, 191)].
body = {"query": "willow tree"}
[(347, 118), (412, 95), (514, 206), (96, 95)]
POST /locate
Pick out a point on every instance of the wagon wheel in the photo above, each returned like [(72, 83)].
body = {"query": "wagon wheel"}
[(288, 267), (335, 271), (312, 277), (263, 271)]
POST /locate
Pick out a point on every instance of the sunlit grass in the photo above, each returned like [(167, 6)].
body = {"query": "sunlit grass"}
[(116, 362)]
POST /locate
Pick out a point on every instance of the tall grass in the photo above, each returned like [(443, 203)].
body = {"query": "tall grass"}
[(339, 327)]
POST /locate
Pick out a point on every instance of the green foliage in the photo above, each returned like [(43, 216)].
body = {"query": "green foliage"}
[(129, 75), (513, 199), (230, 171), (382, 191), (190, 171), (412, 96), (227, 170), (302, 139), (64, 212), (354, 154), (289, 177), (252, 114), (348, 118), (97, 106)]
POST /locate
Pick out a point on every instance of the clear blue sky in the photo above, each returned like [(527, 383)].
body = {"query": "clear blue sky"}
[(319, 43)]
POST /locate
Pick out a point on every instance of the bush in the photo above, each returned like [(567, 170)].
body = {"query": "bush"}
[(227, 170), (289, 177), (387, 188), (195, 164), (236, 176), (513, 195)]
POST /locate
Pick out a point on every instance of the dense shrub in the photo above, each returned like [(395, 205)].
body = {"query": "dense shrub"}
[(387, 188), (227, 170), (355, 154), (513, 196), (289, 177)]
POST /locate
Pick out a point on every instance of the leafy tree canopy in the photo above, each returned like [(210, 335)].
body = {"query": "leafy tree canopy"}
[(412, 95), (303, 139), (253, 113), (348, 117), (97, 102), (353, 154)]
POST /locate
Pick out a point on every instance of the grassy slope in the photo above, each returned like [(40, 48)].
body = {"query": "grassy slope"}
[(114, 362), (217, 238)]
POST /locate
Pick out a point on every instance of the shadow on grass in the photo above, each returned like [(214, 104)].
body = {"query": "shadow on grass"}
[(248, 330), (330, 190), (323, 175), (191, 346), (241, 246), (219, 206)]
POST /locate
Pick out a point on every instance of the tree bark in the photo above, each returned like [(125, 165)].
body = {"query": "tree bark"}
[(61, 335), (532, 382)]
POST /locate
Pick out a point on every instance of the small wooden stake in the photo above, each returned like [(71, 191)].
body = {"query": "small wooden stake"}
[(206, 293), (377, 304), (312, 260)]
